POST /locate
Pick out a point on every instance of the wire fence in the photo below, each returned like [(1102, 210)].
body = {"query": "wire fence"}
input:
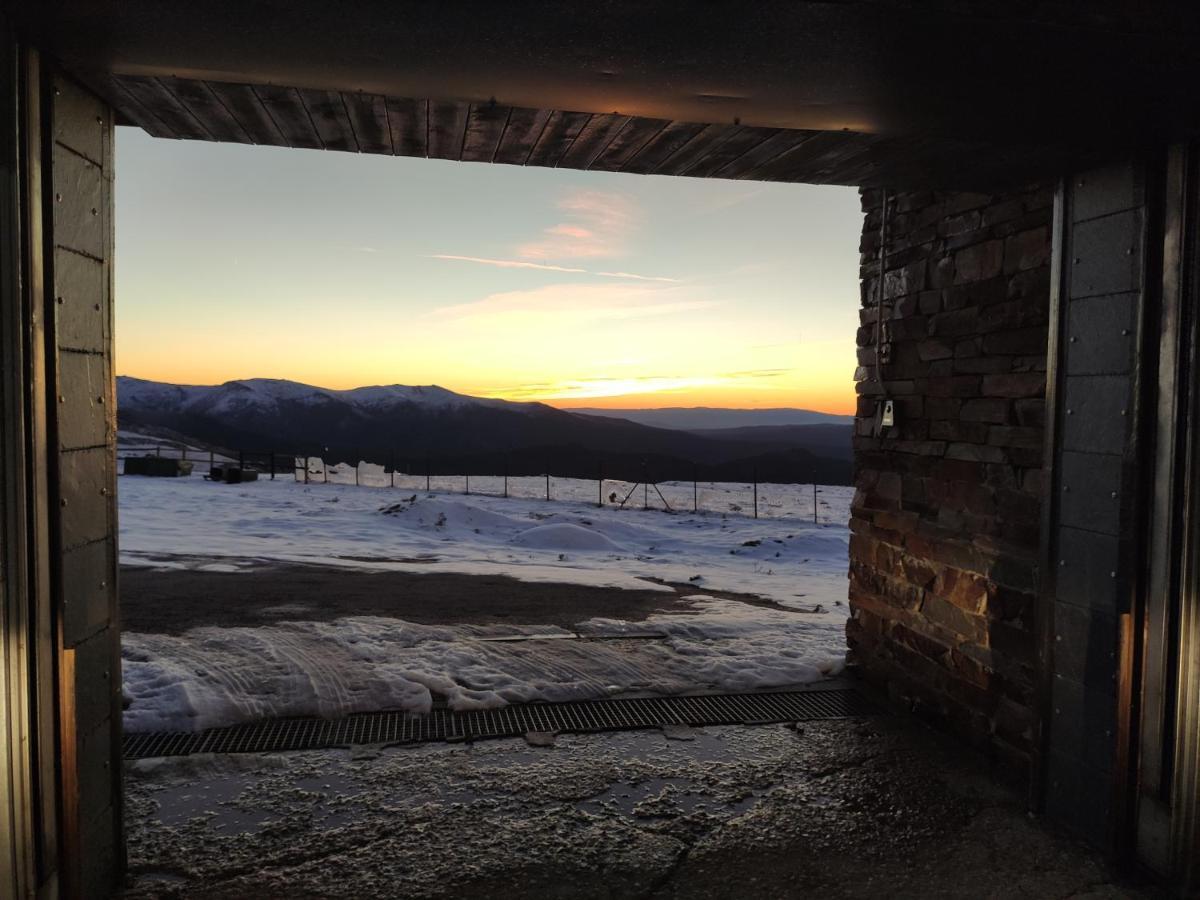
[(750, 498)]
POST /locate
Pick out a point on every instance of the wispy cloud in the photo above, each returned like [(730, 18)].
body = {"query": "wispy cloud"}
[(577, 302), (759, 373), (635, 277), (598, 224), (507, 263), (544, 267), (365, 250)]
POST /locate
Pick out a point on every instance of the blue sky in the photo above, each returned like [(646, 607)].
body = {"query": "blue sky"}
[(576, 288)]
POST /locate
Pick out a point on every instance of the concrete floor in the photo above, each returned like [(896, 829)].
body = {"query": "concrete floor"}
[(876, 807)]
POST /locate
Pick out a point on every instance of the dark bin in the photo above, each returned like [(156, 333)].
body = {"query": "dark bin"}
[(232, 474), (157, 466)]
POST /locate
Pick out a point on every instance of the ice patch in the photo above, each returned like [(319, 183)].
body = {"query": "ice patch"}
[(565, 536)]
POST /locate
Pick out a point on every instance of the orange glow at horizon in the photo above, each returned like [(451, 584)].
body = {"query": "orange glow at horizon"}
[(573, 289)]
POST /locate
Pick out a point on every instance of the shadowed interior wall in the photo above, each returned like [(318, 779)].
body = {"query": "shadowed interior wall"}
[(79, 160), (1101, 461), (946, 517)]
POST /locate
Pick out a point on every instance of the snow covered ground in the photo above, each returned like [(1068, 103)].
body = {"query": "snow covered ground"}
[(217, 675)]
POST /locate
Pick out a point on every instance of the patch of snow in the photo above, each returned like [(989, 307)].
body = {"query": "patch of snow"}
[(214, 676), (786, 558), (219, 676), (565, 536)]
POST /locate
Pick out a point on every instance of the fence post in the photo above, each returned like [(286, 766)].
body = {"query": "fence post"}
[(210, 462), (357, 466), (814, 503), (645, 487), (506, 477), (157, 450), (185, 452), (306, 466), (272, 465), (600, 486), (547, 479), (392, 463), (242, 460), (467, 476), (427, 475), (755, 492), (695, 488)]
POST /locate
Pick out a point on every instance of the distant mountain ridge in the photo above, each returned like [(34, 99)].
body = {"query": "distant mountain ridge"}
[(707, 418), (269, 393), (428, 426)]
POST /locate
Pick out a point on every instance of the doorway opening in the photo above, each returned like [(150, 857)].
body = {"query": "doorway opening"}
[(449, 465)]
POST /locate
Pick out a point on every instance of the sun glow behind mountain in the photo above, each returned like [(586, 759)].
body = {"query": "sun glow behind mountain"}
[(572, 288)]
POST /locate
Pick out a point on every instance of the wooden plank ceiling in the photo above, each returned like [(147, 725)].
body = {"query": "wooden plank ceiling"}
[(494, 133)]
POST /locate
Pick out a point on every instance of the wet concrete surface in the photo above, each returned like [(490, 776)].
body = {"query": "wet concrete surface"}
[(874, 807), (171, 601)]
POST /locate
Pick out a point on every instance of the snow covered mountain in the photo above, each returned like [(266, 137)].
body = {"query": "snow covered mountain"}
[(424, 424), (706, 418), (271, 394)]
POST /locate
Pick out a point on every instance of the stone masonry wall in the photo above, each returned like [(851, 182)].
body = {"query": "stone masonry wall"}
[(946, 516)]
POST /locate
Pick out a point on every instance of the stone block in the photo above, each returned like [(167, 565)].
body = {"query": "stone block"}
[(1019, 341), (975, 452), (986, 409), (934, 349), (1015, 436), (955, 322), (983, 365), (951, 430), (979, 262), (943, 612), (1015, 385), (1027, 250)]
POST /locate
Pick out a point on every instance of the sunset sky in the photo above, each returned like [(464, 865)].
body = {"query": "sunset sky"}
[(574, 288)]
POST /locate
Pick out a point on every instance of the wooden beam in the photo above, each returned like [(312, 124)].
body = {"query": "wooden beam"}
[(133, 111), (661, 147), (593, 140), (447, 129), (826, 157), (709, 138), (628, 142), (524, 128), (328, 114), (560, 132), (742, 141), (369, 121), (485, 127), (287, 111), (763, 153), (150, 93), (207, 109), (243, 104), (408, 123)]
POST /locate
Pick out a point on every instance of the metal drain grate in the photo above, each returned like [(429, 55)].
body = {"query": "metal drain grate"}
[(507, 721)]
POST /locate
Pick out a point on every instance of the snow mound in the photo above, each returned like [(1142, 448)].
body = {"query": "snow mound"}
[(564, 536), (455, 515)]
